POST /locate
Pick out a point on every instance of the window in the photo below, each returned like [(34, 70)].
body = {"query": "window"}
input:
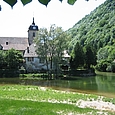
[(6, 43), (30, 59), (33, 34)]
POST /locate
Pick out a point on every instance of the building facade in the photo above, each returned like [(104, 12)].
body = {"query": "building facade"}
[(26, 45), (33, 61)]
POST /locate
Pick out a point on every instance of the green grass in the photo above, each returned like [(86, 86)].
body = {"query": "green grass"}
[(38, 93), (22, 107), (34, 100)]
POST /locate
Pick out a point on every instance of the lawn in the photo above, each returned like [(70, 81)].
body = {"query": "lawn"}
[(34, 100)]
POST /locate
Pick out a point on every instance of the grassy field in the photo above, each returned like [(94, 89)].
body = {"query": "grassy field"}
[(34, 100)]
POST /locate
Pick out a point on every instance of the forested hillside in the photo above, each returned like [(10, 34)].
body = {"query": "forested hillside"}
[(97, 30)]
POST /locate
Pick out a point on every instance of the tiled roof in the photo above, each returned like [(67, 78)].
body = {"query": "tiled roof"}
[(18, 43)]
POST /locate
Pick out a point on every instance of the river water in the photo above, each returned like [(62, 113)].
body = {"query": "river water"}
[(101, 84)]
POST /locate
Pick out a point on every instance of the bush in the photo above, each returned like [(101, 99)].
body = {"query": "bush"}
[(9, 73), (103, 65), (113, 67)]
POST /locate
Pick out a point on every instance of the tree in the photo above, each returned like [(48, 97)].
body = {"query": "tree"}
[(10, 61), (42, 42), (50, 45), (13, 59), (78, 56), (2, 59), (90, 56), (105, 53), (44, 2), (105, 58), (58, 43)]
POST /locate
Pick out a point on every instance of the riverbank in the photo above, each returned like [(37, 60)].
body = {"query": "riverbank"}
[(41, 100)]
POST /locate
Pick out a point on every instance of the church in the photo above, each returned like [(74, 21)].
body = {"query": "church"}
[(26, 46)]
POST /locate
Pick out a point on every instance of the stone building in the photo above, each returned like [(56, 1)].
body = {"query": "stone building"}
[(27, 47)]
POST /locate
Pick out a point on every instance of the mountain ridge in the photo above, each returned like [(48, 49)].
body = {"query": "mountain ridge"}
[(97, 28)]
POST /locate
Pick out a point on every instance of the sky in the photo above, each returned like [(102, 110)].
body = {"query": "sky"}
[(15, 22)]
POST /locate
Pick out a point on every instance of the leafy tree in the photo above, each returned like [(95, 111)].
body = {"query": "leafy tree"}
[(102, 65), (105, 58), (61, 41), (106, 52), (90, 56), (113, 66), (10, 61), (97, 28), (2, 59), (78, 56), (50, 45), (13, 59), (42, 42), (112, 54)]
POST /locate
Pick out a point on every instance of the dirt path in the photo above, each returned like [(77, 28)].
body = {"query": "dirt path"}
[(100, 105)]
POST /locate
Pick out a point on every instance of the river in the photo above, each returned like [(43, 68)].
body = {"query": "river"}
[(102, 84)]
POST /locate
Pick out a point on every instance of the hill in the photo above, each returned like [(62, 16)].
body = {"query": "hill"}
[(96, 29)]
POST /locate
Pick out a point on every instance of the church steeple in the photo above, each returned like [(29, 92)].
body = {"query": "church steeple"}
[(33, 22), (33, 26), (32, 32)]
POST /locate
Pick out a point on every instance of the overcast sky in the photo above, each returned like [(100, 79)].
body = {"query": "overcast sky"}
[(15, 22)]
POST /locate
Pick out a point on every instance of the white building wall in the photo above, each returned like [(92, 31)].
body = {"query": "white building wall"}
[(35, 65)]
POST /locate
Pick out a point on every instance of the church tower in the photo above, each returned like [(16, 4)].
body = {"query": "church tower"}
[(32, 32)]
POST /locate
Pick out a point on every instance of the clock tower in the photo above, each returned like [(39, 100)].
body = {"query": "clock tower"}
[(32, 32)]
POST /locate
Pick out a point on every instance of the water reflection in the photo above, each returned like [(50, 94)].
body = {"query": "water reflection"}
[(101, 84), (106, 82)]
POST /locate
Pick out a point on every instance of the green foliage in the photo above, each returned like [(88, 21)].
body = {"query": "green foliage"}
[(13, 59), (105, 58), (97, 28), (105, 53), (24, 2), (44, 2), (71, 1), (51, 44), (90, 56), (83, 56), (2, 59), (102, 65), (78, 57), (111, 67), (10, 61), (11, 2), (34, 100)]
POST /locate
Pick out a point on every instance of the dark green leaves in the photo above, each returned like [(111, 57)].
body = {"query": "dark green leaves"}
[(60, 0), (71, 1), (24, 2), (11, 2), (44, 2)]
